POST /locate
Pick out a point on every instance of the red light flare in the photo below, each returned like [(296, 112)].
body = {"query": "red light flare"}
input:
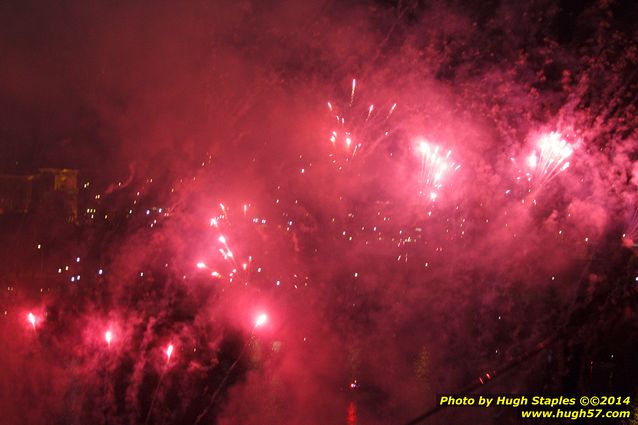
[(352, 413)]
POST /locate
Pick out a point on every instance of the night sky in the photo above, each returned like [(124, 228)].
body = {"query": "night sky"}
[(315, 212)]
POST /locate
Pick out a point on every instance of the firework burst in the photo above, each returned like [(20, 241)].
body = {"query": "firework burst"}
[(224, 227), (436, 165), (356, 127), (31, 319), (549, 159)]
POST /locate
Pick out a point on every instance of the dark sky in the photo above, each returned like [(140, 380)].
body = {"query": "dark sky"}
[(86, 84), (89, 83)]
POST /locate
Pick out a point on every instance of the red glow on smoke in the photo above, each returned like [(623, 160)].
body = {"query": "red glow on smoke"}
[(352, 413)]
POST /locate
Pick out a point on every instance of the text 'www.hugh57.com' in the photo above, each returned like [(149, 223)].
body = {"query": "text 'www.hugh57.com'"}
[(548, 407)]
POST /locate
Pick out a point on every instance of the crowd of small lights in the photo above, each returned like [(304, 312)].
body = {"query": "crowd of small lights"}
[(548, 158)]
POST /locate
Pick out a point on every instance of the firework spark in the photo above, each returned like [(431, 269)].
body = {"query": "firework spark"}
[(261, 320), (233, 258), (31, 319), (357, 127), (394, 106), (435, 166), (549, 159), (354, 86), (169, 353)]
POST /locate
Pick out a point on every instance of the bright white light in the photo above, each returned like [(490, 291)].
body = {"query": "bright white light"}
[(31, 319), (169, 352), (261, 320)]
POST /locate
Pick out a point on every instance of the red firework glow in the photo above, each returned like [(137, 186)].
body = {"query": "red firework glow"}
[(352, 413)]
